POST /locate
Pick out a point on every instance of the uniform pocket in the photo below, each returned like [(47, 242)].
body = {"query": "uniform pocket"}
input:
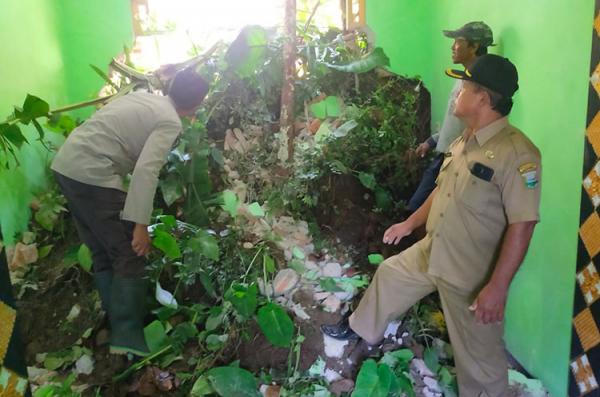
[(478, 194)]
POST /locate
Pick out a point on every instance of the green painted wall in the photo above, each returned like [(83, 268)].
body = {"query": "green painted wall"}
[(550, 43), (48, 46)]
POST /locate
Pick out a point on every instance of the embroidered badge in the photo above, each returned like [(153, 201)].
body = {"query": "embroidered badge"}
[(528, 172), (489, 154)]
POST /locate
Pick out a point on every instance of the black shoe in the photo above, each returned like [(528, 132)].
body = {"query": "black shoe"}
[(340, 331)]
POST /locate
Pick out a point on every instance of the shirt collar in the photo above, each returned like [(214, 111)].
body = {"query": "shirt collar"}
[(486, 133)]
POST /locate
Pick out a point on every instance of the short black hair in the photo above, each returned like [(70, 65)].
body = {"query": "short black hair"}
[(481, 50), (188, 89)]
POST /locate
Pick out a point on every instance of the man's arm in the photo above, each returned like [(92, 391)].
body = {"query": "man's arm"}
[(491, 300), (396, 232)]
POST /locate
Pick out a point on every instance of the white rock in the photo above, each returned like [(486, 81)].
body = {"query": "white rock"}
[(432, 384), (332, 269), (421, 368), (392, 329), (300, 312), (84, 365), (319, 296), (285, 281), (332, 375), (334, 348), (428, 393), (311, 265), (332, 304)]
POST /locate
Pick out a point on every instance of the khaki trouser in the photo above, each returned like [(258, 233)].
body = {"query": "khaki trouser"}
[(400, 282)]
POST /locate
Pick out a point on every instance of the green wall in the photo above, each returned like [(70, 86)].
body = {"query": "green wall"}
[(48, 46), (550, 42)]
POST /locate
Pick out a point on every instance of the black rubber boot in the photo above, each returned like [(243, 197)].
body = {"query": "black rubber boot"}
[(103, 281), (340, 331), (127, 311)]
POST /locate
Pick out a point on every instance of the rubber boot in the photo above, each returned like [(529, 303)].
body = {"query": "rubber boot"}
[(127, 311), (103, 281)]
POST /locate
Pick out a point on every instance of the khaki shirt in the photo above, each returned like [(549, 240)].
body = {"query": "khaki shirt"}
[(131, 135), (469, 215)]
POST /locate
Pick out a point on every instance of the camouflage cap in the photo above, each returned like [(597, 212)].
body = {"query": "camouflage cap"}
[(473, 31)]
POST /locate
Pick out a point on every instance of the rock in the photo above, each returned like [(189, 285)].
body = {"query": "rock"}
[(320, 296), (341, 386), (84, 365), (300, 312), (334, 348), (421, 368), (248, 245), (392, 329), (432, 384), (311, 265), (332, 304), (332, 269), (285, 281), (270, 390), (331, 375)]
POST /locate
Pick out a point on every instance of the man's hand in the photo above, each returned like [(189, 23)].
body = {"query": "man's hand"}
[(141, 242), (397, 232), (422, 149), (489, 304)]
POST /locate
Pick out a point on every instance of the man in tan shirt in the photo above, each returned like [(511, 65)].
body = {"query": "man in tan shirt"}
[(479, 220), (132, 135)]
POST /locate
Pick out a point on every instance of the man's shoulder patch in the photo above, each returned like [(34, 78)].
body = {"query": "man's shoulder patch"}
[(529, 173)]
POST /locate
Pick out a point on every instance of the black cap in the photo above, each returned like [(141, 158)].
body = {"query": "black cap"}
[(476, 31), (493, 72)]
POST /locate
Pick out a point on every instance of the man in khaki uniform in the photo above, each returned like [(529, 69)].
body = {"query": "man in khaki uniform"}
[(479, 222)]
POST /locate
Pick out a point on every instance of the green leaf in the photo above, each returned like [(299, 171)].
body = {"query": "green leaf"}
[(256, 210), (370, 61), (166, 243), (268, 263), (204, 243), (52, 362), (33, 107), (168, 220), (84, 256), (217, 315), (39, 129), (171, 188), (373, 381), (45, 251), (367, 180), (328, 107), (276, 325), (383, 199), (155, 335), (243, 298), (399, 358), (233, 382), (231, 202), (207, 283), (431, 360), (13, 134), (201, 387), (338, 166), (330, 285), (61, 123), (104, 76), (375, 259)]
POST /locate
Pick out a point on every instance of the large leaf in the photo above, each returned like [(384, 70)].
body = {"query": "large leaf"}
[(13, 134), (204, 244), (155, 335), (233, 382), (370, 61), (33, 107), (373, 381), (431, 360), (202, 387), (244, 298), (171, 188), (367, 180), (84, 256), (247, 52), (166, 243), (230, 202), (276, 325)]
